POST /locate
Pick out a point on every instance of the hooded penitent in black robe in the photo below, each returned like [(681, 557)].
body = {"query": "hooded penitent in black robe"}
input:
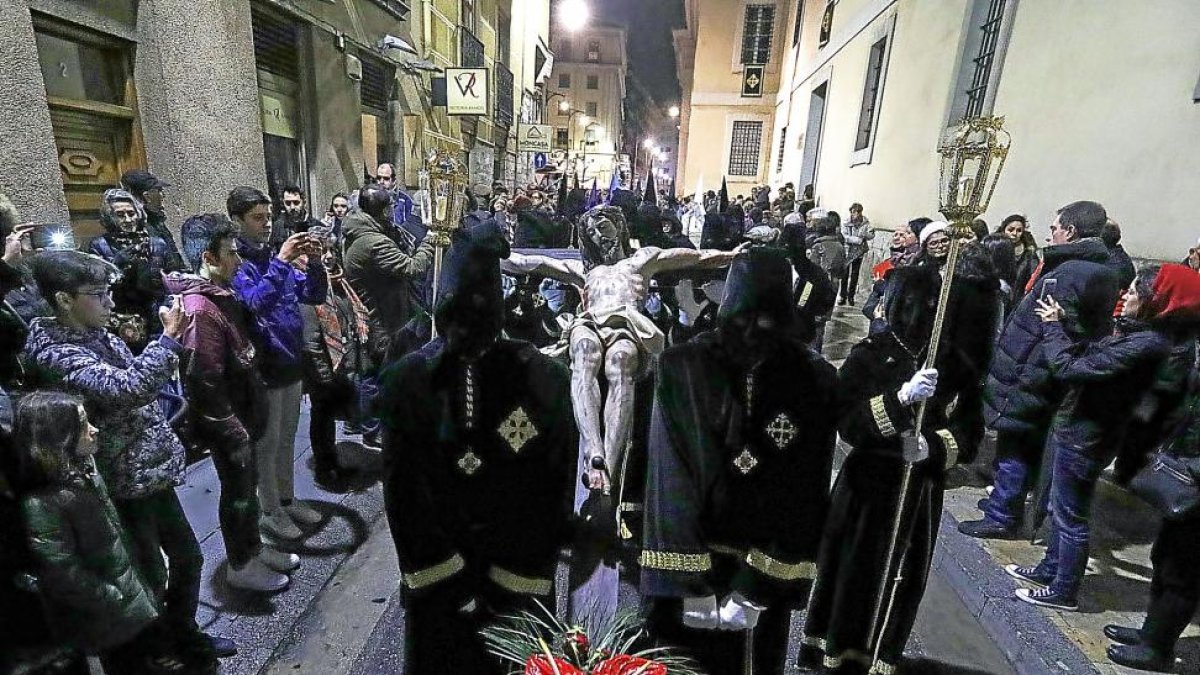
[(739, 470), (479, 452), (853, 588)]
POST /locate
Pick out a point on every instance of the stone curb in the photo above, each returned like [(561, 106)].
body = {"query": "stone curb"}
[(1033, 644)]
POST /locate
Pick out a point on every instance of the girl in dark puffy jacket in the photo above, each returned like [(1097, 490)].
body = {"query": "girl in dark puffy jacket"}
[(94, 598)]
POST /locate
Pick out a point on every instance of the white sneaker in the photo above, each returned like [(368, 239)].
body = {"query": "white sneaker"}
[(278, 560), (279, 525), (302, 514), (255, 576)]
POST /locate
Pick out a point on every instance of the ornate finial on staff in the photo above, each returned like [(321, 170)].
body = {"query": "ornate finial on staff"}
[(443, 201), (972, 157)]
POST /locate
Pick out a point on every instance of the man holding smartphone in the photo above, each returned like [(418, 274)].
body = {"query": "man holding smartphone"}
[(272, 287), (1021, 396)]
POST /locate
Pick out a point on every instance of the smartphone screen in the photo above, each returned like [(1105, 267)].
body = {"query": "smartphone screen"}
[(1049, 288)]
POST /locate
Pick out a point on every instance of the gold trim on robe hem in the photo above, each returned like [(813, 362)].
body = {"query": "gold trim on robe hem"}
[(676, 562), (817, 642), (515, 583), (876, 667), (432, 575), (808, 289), (727, 550), (778, 569), (882, 419), (951, 446)]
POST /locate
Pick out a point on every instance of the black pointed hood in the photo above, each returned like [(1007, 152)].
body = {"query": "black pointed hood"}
[(723, 206), (760, 280), (911, 303), (649, 196), (472, 268)]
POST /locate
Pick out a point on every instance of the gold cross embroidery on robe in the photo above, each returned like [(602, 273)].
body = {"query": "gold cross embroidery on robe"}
[(781, 430), (746, 461), (469, 463), (517, 429)]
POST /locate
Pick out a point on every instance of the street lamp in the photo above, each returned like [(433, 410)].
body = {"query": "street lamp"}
[(564, 105), (648, 143), (673, 111), (573, 14)]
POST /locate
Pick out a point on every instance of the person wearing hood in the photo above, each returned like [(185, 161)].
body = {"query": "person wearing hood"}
[(227, 396), (273, 285), (1022, 394), (148, 190), (672, 229), (142, 259), (814, 293), (1105, 379), (852, 626), (479, 453), (740, 459), (138, 455), (385, 269)]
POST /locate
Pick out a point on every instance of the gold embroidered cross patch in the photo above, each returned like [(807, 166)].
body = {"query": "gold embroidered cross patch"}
[(469, 463), (517, 429), (746, 461), (781, 430)]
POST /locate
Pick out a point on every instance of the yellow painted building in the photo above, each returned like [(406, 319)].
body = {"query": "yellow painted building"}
[(724, 131), (1101, 99), (589, 76)]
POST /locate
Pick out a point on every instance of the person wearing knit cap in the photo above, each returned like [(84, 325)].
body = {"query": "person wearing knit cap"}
[(740, 458), (479, 456), (1105, 381), (935, 243)]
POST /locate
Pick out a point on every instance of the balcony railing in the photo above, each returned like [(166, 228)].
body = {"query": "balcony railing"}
[(397, 8), (504, 96), (470, 49)]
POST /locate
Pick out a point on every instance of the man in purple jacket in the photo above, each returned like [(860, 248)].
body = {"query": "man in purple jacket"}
[(272, 288)]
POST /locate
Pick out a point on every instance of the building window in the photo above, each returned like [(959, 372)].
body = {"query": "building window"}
[(562, 137), (592, 108), (564, 80), (503, 38), (467, 14), (758, 27), (799, 22), (782, 147), (870, 101), (744, 148), (593, 81), (593, 52), (564, 50), (984, 58)]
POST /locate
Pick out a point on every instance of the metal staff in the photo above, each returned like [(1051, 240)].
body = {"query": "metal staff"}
[(443, 201), (972, 157)]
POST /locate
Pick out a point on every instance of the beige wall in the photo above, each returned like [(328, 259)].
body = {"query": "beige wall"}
[(1088, 120), (712, 99)]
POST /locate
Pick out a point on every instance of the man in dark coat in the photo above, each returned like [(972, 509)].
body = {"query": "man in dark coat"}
[(814, 293), (1021, 395), (479, 454), (741, 453), (384, 267), (852, 618)]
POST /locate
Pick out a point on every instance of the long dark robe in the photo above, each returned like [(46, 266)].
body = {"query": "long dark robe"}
[(477, 489), (852, 589), (736, 492)]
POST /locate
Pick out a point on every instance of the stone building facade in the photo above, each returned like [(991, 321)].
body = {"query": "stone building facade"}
[(209, 95)]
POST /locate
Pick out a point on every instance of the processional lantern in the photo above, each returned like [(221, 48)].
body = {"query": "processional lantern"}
[(972, 157), (443, 190)]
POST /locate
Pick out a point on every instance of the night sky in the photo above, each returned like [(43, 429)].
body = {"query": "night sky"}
[(651, 51)]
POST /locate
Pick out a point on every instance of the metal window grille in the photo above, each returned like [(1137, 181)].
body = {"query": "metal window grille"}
[(782, 146), (799, 22), (744, 148), (564, 81), (593, 52), (870, 101), (504, 96), (470, 49), (275, 42), (376, 89), (593, 81), (561, 137), (981, 79), (592, 108), (758, 28)]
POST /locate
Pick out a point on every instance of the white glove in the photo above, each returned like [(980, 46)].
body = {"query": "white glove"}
[(701, 612), (919, 388), (738, 613)]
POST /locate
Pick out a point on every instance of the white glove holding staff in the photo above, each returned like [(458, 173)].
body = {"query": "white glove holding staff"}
[(919, 388)]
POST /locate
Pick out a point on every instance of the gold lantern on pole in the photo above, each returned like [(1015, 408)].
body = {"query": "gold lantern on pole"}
[(972, 157), (443, 201)]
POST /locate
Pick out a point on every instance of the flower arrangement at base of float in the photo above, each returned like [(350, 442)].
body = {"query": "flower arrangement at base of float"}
[(540, 644)]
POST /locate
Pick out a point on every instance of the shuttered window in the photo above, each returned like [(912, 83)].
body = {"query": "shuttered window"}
[(275, 42)]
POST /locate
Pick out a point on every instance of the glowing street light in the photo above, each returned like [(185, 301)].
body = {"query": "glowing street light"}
[(573, 14), (564, 105), (648, 144), (673, 111)]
